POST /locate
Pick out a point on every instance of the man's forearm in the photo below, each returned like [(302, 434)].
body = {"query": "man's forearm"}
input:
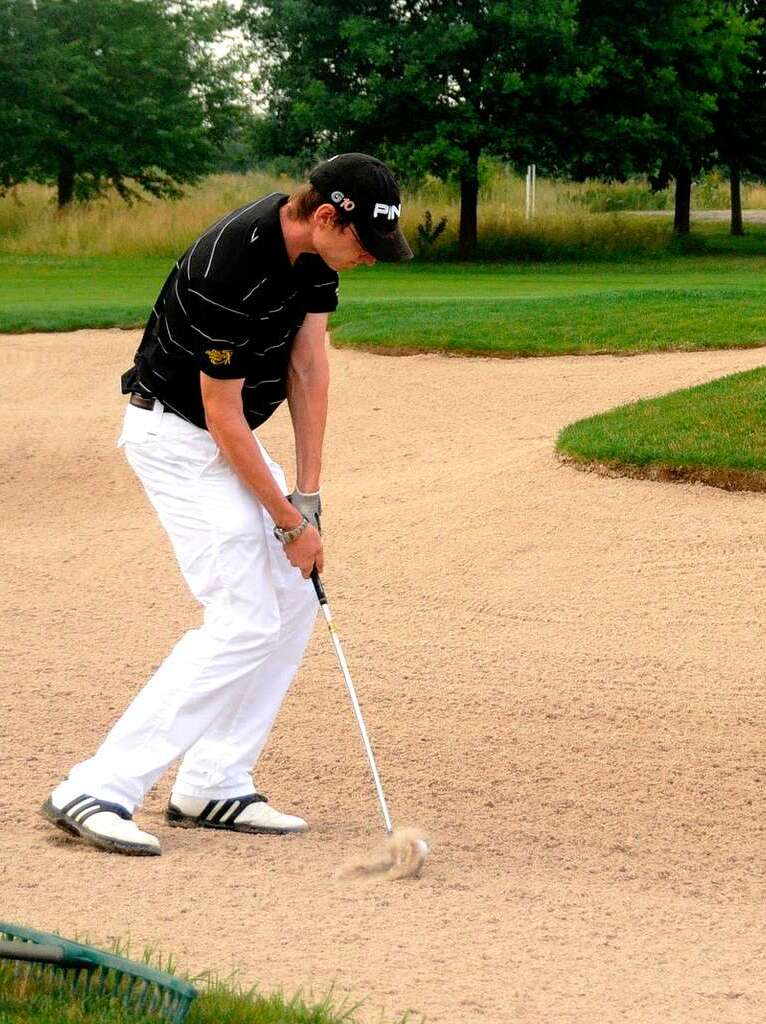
[(307, 390), (233, 436)]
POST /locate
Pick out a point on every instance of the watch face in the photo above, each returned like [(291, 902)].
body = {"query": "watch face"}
[(286, 536)]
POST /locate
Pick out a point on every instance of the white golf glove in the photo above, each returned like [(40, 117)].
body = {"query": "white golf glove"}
[(309, 505)]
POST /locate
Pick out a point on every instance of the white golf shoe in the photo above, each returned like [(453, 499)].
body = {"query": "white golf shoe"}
[(101, 823), (251, 813)]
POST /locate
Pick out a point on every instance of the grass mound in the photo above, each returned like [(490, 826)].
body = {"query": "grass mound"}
[(40, 999), (714, 433)]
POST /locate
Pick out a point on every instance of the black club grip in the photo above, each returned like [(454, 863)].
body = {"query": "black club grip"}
[(318, 586)]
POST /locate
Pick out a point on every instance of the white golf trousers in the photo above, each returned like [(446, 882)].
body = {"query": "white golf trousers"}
[(214, 699)]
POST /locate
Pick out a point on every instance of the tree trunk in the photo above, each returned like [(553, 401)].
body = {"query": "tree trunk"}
[(469, 202), (735, 183), (65, 179), (682, 222)]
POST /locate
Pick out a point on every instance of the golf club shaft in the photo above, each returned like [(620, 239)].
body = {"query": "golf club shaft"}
[(325, 606)]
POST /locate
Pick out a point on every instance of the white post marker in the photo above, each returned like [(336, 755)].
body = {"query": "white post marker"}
[(531, 191)]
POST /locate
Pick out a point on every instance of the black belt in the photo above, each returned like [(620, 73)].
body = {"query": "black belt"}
[(142, 403)]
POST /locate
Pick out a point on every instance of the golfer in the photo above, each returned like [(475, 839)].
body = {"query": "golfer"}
[(238, 328)]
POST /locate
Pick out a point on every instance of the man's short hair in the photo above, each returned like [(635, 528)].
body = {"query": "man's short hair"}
[(305, 200)]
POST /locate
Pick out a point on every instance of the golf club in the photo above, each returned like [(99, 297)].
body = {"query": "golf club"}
[(326, 611), (405, 849)]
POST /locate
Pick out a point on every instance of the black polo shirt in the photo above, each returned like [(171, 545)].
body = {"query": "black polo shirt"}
[(231, 307)]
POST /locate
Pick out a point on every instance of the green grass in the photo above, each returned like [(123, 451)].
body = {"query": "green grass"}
[(214, 1007), (714, 433), (35, 1000), (51, 293), (714, 300), (556, 310)]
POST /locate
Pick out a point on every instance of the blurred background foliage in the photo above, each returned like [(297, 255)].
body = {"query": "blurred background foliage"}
[(646, 107)]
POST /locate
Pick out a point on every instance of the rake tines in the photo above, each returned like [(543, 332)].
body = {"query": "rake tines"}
[(91, 973)]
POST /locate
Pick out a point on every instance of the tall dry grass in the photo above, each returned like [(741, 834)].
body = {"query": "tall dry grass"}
[(30, 223), (563, 226), (571, 220)]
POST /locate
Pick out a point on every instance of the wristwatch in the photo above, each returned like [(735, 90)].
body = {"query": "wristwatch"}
[(288, 536)]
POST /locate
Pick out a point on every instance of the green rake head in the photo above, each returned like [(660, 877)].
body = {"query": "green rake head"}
[(87, 971)]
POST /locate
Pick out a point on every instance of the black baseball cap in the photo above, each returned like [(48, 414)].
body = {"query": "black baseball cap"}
[(365, 193)]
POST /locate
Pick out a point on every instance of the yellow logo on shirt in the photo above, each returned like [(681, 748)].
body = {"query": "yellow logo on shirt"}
[(219, 356)]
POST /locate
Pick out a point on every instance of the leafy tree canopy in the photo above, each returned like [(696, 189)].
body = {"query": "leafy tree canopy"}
[(428, 84), (584, 87), (741, 120), (659, 72), (112, 93)]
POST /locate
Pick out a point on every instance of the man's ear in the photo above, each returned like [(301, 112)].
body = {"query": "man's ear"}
[(326, 216)]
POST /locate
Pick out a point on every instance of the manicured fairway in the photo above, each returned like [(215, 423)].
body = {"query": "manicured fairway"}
[(51, 293), (712, 301), (715, 433)]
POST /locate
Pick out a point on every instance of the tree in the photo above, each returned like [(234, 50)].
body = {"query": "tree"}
[(660, 70), (740, 127), (111, 93), (429, 84), (19, 81)]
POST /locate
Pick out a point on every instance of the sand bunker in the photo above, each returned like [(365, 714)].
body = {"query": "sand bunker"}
[(562, 676)]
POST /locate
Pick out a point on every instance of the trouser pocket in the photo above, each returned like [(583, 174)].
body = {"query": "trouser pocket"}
[(139, 425)]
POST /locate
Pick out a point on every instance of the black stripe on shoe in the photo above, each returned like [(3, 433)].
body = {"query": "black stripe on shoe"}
[(230, 814), (215, 811), (222, 814), (207, 810), (222, 810), (71, 817), (89, 801)]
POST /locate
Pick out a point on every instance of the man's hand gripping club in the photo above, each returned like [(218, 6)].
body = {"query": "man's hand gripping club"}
[(310, 508), (305, 551), (227, 425)]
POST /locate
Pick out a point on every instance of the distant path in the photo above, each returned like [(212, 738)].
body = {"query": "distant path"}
[(752, 216), (563, 677)]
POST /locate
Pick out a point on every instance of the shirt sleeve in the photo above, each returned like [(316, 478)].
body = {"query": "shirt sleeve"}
[(323, 297), (216, 334), (319, 285)]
